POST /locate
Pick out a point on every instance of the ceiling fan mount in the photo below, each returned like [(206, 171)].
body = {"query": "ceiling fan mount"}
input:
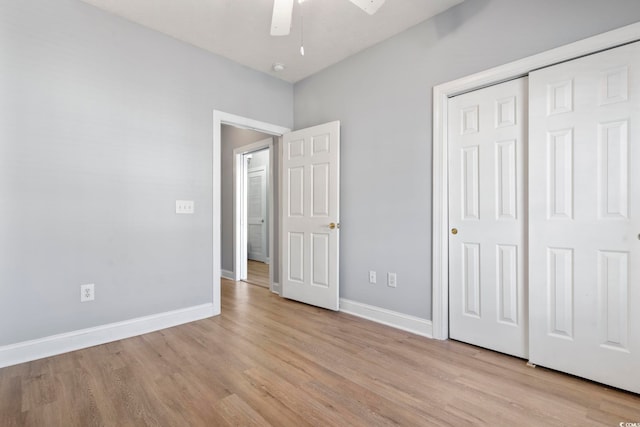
[(283, 11)]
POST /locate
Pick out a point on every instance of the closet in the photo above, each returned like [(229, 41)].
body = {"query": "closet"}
[(544, 216)]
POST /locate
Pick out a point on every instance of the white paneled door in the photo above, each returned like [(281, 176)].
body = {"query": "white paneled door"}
[(487, 277), (585, 217), (311, 215), (257, 214)]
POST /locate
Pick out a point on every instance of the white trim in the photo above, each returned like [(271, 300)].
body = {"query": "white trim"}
[(239, 216), (27, 351), (276, 289), (441, 94), (412, 324), (228, 275), (220, 117)]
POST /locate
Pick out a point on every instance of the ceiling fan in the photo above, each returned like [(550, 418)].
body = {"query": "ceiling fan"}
[(283, 9)]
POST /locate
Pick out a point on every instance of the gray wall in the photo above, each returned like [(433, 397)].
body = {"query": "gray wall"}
[(232, 138), (382, 97), (103, 125)]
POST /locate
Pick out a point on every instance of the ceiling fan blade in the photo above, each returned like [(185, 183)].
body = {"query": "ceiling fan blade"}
[(369, 6), (281, 20)]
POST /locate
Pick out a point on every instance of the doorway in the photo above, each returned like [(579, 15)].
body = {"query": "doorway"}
[(226, 233), (256, 194), (247, 204), (308, 219)]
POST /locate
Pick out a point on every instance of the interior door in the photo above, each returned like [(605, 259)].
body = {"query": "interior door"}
[(311, 215), (257, 214), (487, 137), (585, 217)]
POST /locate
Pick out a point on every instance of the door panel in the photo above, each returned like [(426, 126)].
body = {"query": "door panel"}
[(311, 166), (585, 217), (487, 148), (256, 214)]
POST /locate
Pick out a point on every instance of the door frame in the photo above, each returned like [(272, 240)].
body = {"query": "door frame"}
[(441, 95), (240, 237), (220, 118)]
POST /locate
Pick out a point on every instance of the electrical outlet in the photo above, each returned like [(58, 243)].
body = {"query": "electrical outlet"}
[(185, 206), (87, 292), (391, 280), (372, 277)]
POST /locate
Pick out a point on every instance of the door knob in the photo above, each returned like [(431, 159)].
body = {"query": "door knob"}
[(333, 226), (454, 231)]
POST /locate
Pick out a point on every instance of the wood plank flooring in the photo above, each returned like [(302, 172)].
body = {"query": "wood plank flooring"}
[(257, 273), (271, 361)]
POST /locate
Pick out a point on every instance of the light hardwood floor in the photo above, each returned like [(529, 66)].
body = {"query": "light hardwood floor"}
[(257, 273), (271, 361)]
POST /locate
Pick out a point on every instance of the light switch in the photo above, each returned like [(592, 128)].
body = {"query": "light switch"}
[(184, 206), (392, 280)]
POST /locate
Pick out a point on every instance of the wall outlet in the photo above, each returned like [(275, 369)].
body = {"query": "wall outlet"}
[(185, 206), (372, 277), (391, 280), (87, 292)]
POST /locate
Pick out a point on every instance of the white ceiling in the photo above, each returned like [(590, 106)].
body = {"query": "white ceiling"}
[(239, 29)]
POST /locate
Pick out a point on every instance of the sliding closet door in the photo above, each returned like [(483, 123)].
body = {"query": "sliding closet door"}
[(584, 185), (487, 278)]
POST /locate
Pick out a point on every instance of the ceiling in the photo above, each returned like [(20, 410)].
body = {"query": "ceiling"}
[(239, 29)]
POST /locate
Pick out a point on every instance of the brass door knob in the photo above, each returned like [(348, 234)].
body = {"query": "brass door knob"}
[(454, 231), (333, 226)]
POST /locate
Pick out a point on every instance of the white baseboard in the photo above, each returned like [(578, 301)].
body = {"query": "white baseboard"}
[(27, 351), (276, 289), (415, 325), (228, 274)]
